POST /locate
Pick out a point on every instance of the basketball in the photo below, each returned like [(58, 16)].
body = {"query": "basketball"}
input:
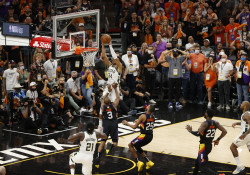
[(105, 39)]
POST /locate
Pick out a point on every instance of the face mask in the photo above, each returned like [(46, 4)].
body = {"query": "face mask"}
[(74, 78), (175, 54), (62, 84), (22, 67), (44, 79), (129, 52), (169, 48), (33, 89), (12, 66), (150, 51), (197, 52), (243, 58), (223, 60)]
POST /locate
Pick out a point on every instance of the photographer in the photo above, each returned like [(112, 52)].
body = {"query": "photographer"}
[(175, 58), (32, 117), (141, 96)]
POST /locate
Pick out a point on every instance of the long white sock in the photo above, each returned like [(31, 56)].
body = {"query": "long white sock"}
[(72, 171), (237, 159)]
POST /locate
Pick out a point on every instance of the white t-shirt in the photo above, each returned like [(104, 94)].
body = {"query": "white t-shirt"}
[(32, 94), (223, 70), (189, 45), (50, 68), (11, 78), (131, 64), (74, 85)]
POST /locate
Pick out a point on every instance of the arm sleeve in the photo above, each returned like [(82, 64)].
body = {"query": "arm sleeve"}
[(195, 133), (112, 52)]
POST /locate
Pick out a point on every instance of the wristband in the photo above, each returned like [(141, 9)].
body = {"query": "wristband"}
[(218, 138)]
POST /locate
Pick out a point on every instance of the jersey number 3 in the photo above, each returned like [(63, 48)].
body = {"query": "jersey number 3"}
[(110, 115), (89, 146), (210, 133)]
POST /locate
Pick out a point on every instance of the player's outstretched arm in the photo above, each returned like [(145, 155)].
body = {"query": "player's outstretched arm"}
[(76, 136), (104, 57), (223, 133), (117, 99), (112, 51), (101, 135), (189, 129), (141, 118)]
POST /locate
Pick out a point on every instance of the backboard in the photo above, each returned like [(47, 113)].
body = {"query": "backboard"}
[(76, 29)]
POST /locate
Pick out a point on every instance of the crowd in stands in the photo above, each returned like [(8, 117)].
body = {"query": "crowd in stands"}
[(180, 45)]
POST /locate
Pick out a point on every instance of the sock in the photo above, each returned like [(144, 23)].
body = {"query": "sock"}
[(98, 154), (136, 160), (237, 159), (146, 158), (72, 171)]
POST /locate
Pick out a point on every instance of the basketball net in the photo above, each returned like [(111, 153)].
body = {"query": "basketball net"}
[(88, 55)]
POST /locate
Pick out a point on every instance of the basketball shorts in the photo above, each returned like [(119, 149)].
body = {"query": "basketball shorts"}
[(246, 141), (204, 150), (110, 128), (84, 159), (142, 140)]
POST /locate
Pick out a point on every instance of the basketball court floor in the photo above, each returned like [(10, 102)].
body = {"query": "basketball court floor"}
[(173, 149)]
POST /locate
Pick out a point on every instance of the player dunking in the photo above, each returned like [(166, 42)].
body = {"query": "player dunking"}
[(244, 137), (206, 132), (108, 119), (146, 122), (84, 156)]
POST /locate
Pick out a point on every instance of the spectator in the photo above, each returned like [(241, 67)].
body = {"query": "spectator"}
[(39, 19), (185, 6), (148, 36), (175, 58), (143, 49), (172, 10), (231, 32), (219, 33), (210, 78), (180, 35), (100, 70), (211, 14), (201, 5), (10, 77), (87, 76), (197, 75), (75, 90), (23, 75), (206, 50), (244, 16), (186, 67), (27, 13), (212, 3), (155, 9), (37, 69), (158, 20), (124, 21), (14, 53), (135, 28), (32, 92), (204, 31), (190, 43), (18, 92), (159, 46), (244, 33), (150, 64), (225, 71), (11, 14), (190, 27), (242, 77), (166, 31), (127, 103), (141, 96), (50, 68), (223, 5), (132, 64)]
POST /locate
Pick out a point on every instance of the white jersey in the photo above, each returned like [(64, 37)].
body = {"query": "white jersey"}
[(244, 125), (88, 144), (113, 75)]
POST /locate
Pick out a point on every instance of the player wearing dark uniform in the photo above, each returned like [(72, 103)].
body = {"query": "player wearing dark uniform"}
[(146, 122), (108, 120), (206, 132)]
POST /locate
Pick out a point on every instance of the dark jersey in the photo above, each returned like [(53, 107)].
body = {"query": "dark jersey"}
[(109, 112), (148, 126), (208, 134)]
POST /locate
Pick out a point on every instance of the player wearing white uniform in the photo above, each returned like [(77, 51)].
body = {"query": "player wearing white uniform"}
[(84, 156), (244, 137), (113, 72)]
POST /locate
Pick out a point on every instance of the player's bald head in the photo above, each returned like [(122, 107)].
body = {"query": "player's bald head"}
[(107, 101), (245, 105)]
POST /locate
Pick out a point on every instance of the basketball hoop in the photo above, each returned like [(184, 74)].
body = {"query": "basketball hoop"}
[(88, 55)]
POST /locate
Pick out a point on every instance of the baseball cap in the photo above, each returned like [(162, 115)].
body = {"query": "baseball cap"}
[(243, 53), (160, 9), (32, 83), (81, 24), (206, 40), (12, 62)]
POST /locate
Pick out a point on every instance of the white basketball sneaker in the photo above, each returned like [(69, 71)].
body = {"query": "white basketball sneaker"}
[(238, 169)]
